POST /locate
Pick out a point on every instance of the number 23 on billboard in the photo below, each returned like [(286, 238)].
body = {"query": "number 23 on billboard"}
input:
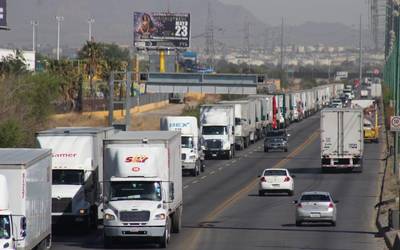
[(181, 28)]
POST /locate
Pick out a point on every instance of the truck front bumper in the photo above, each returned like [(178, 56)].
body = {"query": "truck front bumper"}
[(69, 219), (216, 153), (188, 165), (132, 231)]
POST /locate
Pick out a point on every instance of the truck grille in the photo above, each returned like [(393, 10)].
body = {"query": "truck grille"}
[(63, 205), (183, 157), (134, 216), (213, 144)]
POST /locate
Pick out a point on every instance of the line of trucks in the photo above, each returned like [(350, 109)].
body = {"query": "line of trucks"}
[(131, 181)]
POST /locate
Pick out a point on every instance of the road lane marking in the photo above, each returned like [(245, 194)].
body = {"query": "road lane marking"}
[(227, 164), (212, 172), (195, 181), (233, 161), (194, 237), (185, 186), (203, 177)]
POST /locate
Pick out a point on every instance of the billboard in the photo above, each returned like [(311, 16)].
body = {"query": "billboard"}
[(161, 30), (3, 14)]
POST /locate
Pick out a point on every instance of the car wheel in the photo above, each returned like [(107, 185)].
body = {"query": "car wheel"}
[(261, 193), (333, 223), (298, 223), (265, 149), (290, 192), (286, 150)]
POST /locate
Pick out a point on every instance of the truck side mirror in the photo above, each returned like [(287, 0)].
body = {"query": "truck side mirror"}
[(23, 223), (172, 191), (202, 147)]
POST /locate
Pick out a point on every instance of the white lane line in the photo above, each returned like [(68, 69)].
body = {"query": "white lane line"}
[(195, 181), (185, 186), (220, 168), (233, 161), (251, 152), (203, 177), (212, 172), (227, 164), (245, 155)]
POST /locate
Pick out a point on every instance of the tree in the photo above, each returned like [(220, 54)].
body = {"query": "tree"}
[(92, 53)]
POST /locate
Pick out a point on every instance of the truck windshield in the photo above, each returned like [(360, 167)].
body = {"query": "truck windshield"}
[(4, 227), (68, 177), (135, 190), (214, 130), (187, 142)]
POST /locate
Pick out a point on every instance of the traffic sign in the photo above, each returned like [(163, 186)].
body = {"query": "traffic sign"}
[(395, 123), (376, 72)]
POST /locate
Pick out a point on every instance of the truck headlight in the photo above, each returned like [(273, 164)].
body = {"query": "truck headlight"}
[(160, 216), (192, 157), (109, 217), (82, 211)]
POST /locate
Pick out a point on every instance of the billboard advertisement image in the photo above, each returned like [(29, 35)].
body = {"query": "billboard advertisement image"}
[(161, 30), (3, 14)]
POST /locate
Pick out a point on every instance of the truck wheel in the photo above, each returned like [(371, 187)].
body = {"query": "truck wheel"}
[(203, 166), (107, 242), (265, 150), (164, 240), (93, 218), (195, 171), (176, 220)]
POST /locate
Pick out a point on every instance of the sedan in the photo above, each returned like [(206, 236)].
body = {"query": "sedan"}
[(276, 180), (315, 207), (277, 143)]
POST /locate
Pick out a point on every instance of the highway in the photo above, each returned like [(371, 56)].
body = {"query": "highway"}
[(222, 209)]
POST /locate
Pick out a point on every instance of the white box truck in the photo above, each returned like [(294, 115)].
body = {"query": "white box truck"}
[(142, 195), (242, 120), (376, 90), (342, 141), (192, 154), (77, 164), (25, 199), (217, 125), (253, 120)]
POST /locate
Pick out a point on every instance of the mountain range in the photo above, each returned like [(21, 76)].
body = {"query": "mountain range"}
[(114, 23)]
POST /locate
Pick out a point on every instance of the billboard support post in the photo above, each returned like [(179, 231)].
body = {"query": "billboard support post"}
[(162, 61)]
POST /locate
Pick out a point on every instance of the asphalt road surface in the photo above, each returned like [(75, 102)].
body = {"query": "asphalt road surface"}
[(222, 209)]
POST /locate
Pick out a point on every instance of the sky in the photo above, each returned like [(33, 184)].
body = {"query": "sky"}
[(301, 11)]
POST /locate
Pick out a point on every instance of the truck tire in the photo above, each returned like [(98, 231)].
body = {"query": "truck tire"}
[(177, 220), (164, 240), (202, 166), (195, 171), (94, 222)]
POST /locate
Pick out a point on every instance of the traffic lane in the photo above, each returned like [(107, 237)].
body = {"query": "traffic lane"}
[(268, 222), (206, 193), (214, 165)]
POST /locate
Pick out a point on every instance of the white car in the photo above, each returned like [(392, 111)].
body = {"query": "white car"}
[(276, 180)]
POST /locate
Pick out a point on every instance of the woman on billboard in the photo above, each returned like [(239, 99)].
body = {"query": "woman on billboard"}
[(146, 26)]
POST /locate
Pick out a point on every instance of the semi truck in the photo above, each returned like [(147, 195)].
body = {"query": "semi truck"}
[(217, 125), (142, 194), (192, 154), (25, 199), (242, 120), (77, 163), (342, 141)]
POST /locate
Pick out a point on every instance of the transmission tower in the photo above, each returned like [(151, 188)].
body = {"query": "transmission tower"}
[(209, 35), (266, 40), (246, 50), (377, 22)]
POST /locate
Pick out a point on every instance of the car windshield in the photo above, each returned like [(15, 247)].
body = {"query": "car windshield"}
[(68, 177), (278, 133), (214, 130), (5, 227), (187, 142), (274, 173), (315, 197), (136, 190)]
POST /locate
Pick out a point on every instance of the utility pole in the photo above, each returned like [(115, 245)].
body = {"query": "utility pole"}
[(59, 20), (210, 43), (360, 51), (34, 25), (90, 22), (282, 53), (266, 40), (246, 44)]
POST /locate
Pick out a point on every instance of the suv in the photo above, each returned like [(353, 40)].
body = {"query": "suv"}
[(275, 143)]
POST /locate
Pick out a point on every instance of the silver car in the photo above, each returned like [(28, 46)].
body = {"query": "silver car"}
[(315, 207)]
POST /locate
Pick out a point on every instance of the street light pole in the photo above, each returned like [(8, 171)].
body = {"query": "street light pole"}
[(34, 25), (59, 20), (90, 21)]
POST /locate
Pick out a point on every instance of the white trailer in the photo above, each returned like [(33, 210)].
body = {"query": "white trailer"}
[(77, 165), (217, 125), (192, 154), (342, 140), (25, 199), (376, 90), (142, 186), (266, 108), (242, 120)]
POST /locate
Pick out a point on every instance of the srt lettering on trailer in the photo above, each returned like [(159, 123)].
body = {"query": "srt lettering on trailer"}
[(136, 159)]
